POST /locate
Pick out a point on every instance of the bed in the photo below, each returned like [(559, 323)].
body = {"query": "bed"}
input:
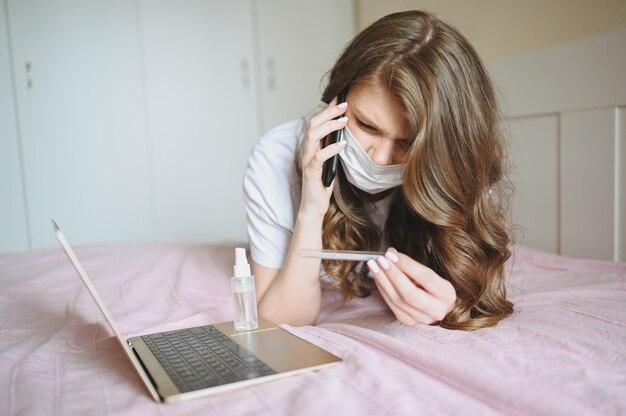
[(563, 351)]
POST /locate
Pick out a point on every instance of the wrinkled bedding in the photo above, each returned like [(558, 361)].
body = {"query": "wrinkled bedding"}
[(563, 351)]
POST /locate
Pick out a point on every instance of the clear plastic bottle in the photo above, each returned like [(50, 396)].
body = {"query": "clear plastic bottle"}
[(244, 293)]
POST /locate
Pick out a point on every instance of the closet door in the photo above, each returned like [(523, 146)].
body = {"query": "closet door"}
[(534, 169), (201, 114), (14, 234), (589, 212), (298, 43), (80, 120)]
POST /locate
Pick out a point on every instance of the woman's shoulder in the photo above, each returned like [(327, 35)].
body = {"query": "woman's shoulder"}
[(283, 141), (270, 181), (284, 137), (270, 175), (275, 152)]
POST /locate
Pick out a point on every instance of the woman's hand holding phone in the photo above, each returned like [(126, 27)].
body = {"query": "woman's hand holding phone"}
[(329, 170), (316, 196)]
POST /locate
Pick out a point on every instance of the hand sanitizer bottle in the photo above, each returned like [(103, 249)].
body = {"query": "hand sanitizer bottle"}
[(244, 293)]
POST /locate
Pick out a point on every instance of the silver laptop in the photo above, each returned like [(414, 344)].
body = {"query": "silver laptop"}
[(184, 364)]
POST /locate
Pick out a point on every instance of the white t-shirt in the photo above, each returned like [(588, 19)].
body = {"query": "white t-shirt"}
[(272, 192)]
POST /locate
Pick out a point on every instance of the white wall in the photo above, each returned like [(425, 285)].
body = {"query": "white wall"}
[(80, 119), (136, 134), (131, 121), (13, 225), (565, 106), (198, 71), (505, 28)]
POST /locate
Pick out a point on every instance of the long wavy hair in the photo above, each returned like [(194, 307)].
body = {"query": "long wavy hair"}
[(451, 212)]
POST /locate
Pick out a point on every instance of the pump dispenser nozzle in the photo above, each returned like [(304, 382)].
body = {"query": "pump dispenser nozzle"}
[(241, 267)]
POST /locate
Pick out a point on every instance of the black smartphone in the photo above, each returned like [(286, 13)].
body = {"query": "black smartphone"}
[(329, 170)]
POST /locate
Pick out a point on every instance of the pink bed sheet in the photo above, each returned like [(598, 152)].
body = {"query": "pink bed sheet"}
[(563, 352)]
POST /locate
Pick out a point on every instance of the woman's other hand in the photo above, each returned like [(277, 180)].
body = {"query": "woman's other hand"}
[(415, 293), (315, 196)]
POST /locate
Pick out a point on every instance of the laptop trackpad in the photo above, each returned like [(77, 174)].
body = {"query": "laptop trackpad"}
[(283, 351)]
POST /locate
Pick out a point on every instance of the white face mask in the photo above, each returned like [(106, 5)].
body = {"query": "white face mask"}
[(362, 172)]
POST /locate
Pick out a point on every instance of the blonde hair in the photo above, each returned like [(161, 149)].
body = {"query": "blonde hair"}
[(451, 213)]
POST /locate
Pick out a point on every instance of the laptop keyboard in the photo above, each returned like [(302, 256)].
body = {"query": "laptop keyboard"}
[(202, 357)]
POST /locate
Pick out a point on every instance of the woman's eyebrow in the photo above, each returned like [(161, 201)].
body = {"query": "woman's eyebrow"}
[(363, 119)]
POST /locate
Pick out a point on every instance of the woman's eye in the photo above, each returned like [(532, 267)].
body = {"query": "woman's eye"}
[(405, 144), (366, 126)]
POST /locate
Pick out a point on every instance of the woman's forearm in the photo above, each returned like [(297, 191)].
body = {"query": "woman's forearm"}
[(295, 293)]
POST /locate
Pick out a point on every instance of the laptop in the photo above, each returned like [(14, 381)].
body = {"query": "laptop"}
[(188, 363)]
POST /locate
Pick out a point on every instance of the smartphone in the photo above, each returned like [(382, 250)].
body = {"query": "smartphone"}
[(329, 170), (340, 254)]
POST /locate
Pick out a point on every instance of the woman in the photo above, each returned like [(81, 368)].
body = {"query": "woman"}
[(421, 177)]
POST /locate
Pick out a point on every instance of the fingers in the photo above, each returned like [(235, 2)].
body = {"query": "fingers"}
[(326, 153), (407, 316), (323, 124), (333, 110), (423, 276), (401, 315), (313, 157), (410, 303)]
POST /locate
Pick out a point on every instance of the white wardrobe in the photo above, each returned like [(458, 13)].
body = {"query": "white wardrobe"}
[(131, 121), (566, 109)]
